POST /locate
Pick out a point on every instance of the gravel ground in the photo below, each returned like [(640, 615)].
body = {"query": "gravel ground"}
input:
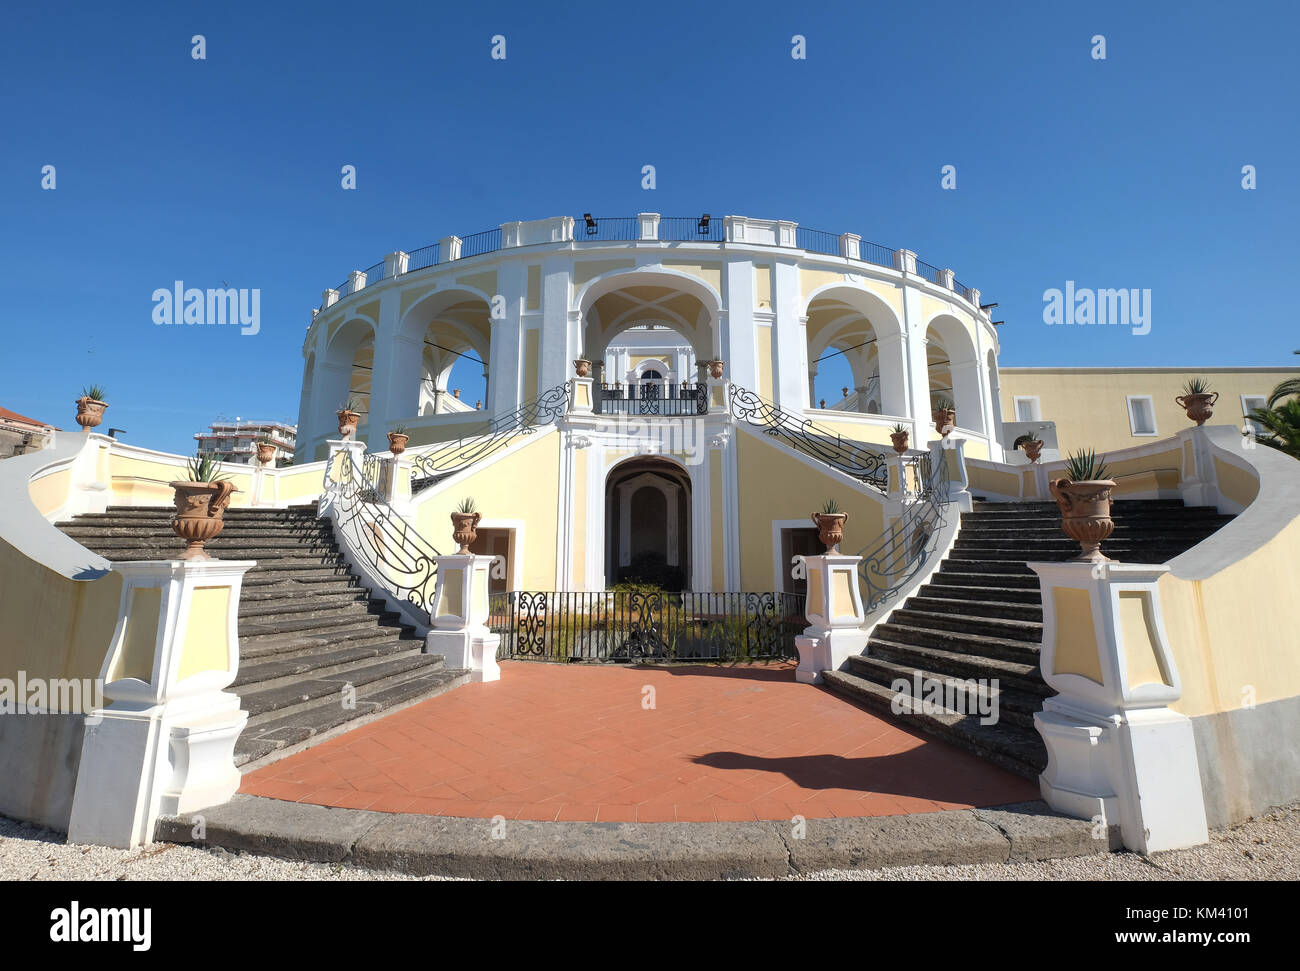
[(1264, 848)]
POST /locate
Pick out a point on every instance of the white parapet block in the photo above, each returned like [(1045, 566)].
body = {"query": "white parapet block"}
[(835, 615), (460, 614), (581, 403), (1116, 752), (164, 744)]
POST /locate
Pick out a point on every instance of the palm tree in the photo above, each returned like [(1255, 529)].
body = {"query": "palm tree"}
[(1281, 419)]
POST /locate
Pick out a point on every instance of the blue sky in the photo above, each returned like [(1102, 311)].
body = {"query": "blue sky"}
[(1117, 173)]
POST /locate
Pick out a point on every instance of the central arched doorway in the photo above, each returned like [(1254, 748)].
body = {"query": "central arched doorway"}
[(647, 528)]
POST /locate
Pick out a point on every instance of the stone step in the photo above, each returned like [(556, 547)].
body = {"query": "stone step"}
[(1014, 748), (264, 703), (1118, 506), (957, 664), (274, 739), (976, 577), (343, 617), (1030, 596), (998, 609), (970, 694), (81, 525), (280, 644), (958, 563), (260, 590), (966, 623), (278, 605), (1033, 540), (319, 661)]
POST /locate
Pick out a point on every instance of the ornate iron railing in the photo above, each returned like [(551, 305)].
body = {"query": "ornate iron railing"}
[(630, 626), (900, 553), (390, 548), (806, 436), (679, 401), (429, 467)]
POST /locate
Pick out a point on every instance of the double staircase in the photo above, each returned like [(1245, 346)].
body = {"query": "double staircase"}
[(317, 654), (980, 618)]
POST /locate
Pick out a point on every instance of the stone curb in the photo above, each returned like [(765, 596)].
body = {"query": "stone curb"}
[(523, 850)]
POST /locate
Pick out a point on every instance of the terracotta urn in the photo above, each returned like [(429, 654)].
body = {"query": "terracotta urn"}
[(1033, 450), (715, 368), (582, 366), (830, 528), (464, 529), (348, 422), (199, 506), (1200, 407), (90, 412), (1085, 514), (900, 441), (945, 420), (265, 453), (397, 442)]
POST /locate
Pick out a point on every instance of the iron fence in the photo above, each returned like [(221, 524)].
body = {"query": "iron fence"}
[(817, 241), (875, 253), (685, 229), (485, 242), (679, 401), (927, 272), (607, 229), (423, 257), (375, 273), (638, 625)]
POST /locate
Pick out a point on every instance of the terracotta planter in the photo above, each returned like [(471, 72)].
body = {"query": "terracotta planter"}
[(830, 528), (900, 441), (945, 420), (715, 368), (464, 529), (397, 442), (1085, 514), (1199, 406), (348, 422), (1033, 450), (89, 412), (582, 366), (265, 453), (199, 506)]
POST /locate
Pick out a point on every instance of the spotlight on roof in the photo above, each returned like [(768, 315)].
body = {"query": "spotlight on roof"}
[(998, 323), (704, 225), (987, 306), (112, 432), (591, 223)]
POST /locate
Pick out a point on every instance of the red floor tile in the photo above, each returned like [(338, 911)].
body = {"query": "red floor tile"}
[(573, 743)]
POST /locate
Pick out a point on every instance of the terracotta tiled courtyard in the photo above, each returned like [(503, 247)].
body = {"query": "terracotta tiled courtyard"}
[(553, 742)]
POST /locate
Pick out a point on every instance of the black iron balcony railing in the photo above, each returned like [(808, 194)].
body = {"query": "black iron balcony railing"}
[(677, 401)]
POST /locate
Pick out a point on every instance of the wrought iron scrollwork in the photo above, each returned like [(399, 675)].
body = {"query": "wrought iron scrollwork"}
[(900, 553), (815, 441), (389, 547), (428, 467)]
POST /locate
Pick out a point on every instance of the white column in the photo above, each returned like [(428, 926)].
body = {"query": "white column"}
[(789, 339), (506, 356), (739, 333)]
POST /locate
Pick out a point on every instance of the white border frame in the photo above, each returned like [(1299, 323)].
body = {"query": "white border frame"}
[(1128, 406), (1015, 407)]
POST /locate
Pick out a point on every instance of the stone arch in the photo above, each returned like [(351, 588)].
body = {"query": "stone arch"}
[(648, 522), (617, 301), (953, 367), (345, 372), (441, 329), (848, 320)]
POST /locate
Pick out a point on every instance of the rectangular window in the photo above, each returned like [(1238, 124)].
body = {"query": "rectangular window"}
[(1027, 408), (1141, 414), (1249, 402)]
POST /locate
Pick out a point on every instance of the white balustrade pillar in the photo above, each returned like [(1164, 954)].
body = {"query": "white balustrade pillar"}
[(165, 742), (581, 401), (648, 225), (1116, 752), (835, 615), (460, 613)]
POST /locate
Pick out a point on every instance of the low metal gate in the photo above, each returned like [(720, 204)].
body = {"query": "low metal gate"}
[(616, 625)]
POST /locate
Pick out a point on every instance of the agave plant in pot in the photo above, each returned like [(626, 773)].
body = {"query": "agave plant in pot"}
[(200, 501), (397, 440), (348, 417), (90, 407), (1198, 400), (944, 415), (464, 524), (1084, 497), (1033, 446), (898, 435), (830, 525), (265, 449)]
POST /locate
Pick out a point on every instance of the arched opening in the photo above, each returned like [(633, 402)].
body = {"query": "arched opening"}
[(953, 369), (647, 529), (855, 353), (344, 375), (450, 333)]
